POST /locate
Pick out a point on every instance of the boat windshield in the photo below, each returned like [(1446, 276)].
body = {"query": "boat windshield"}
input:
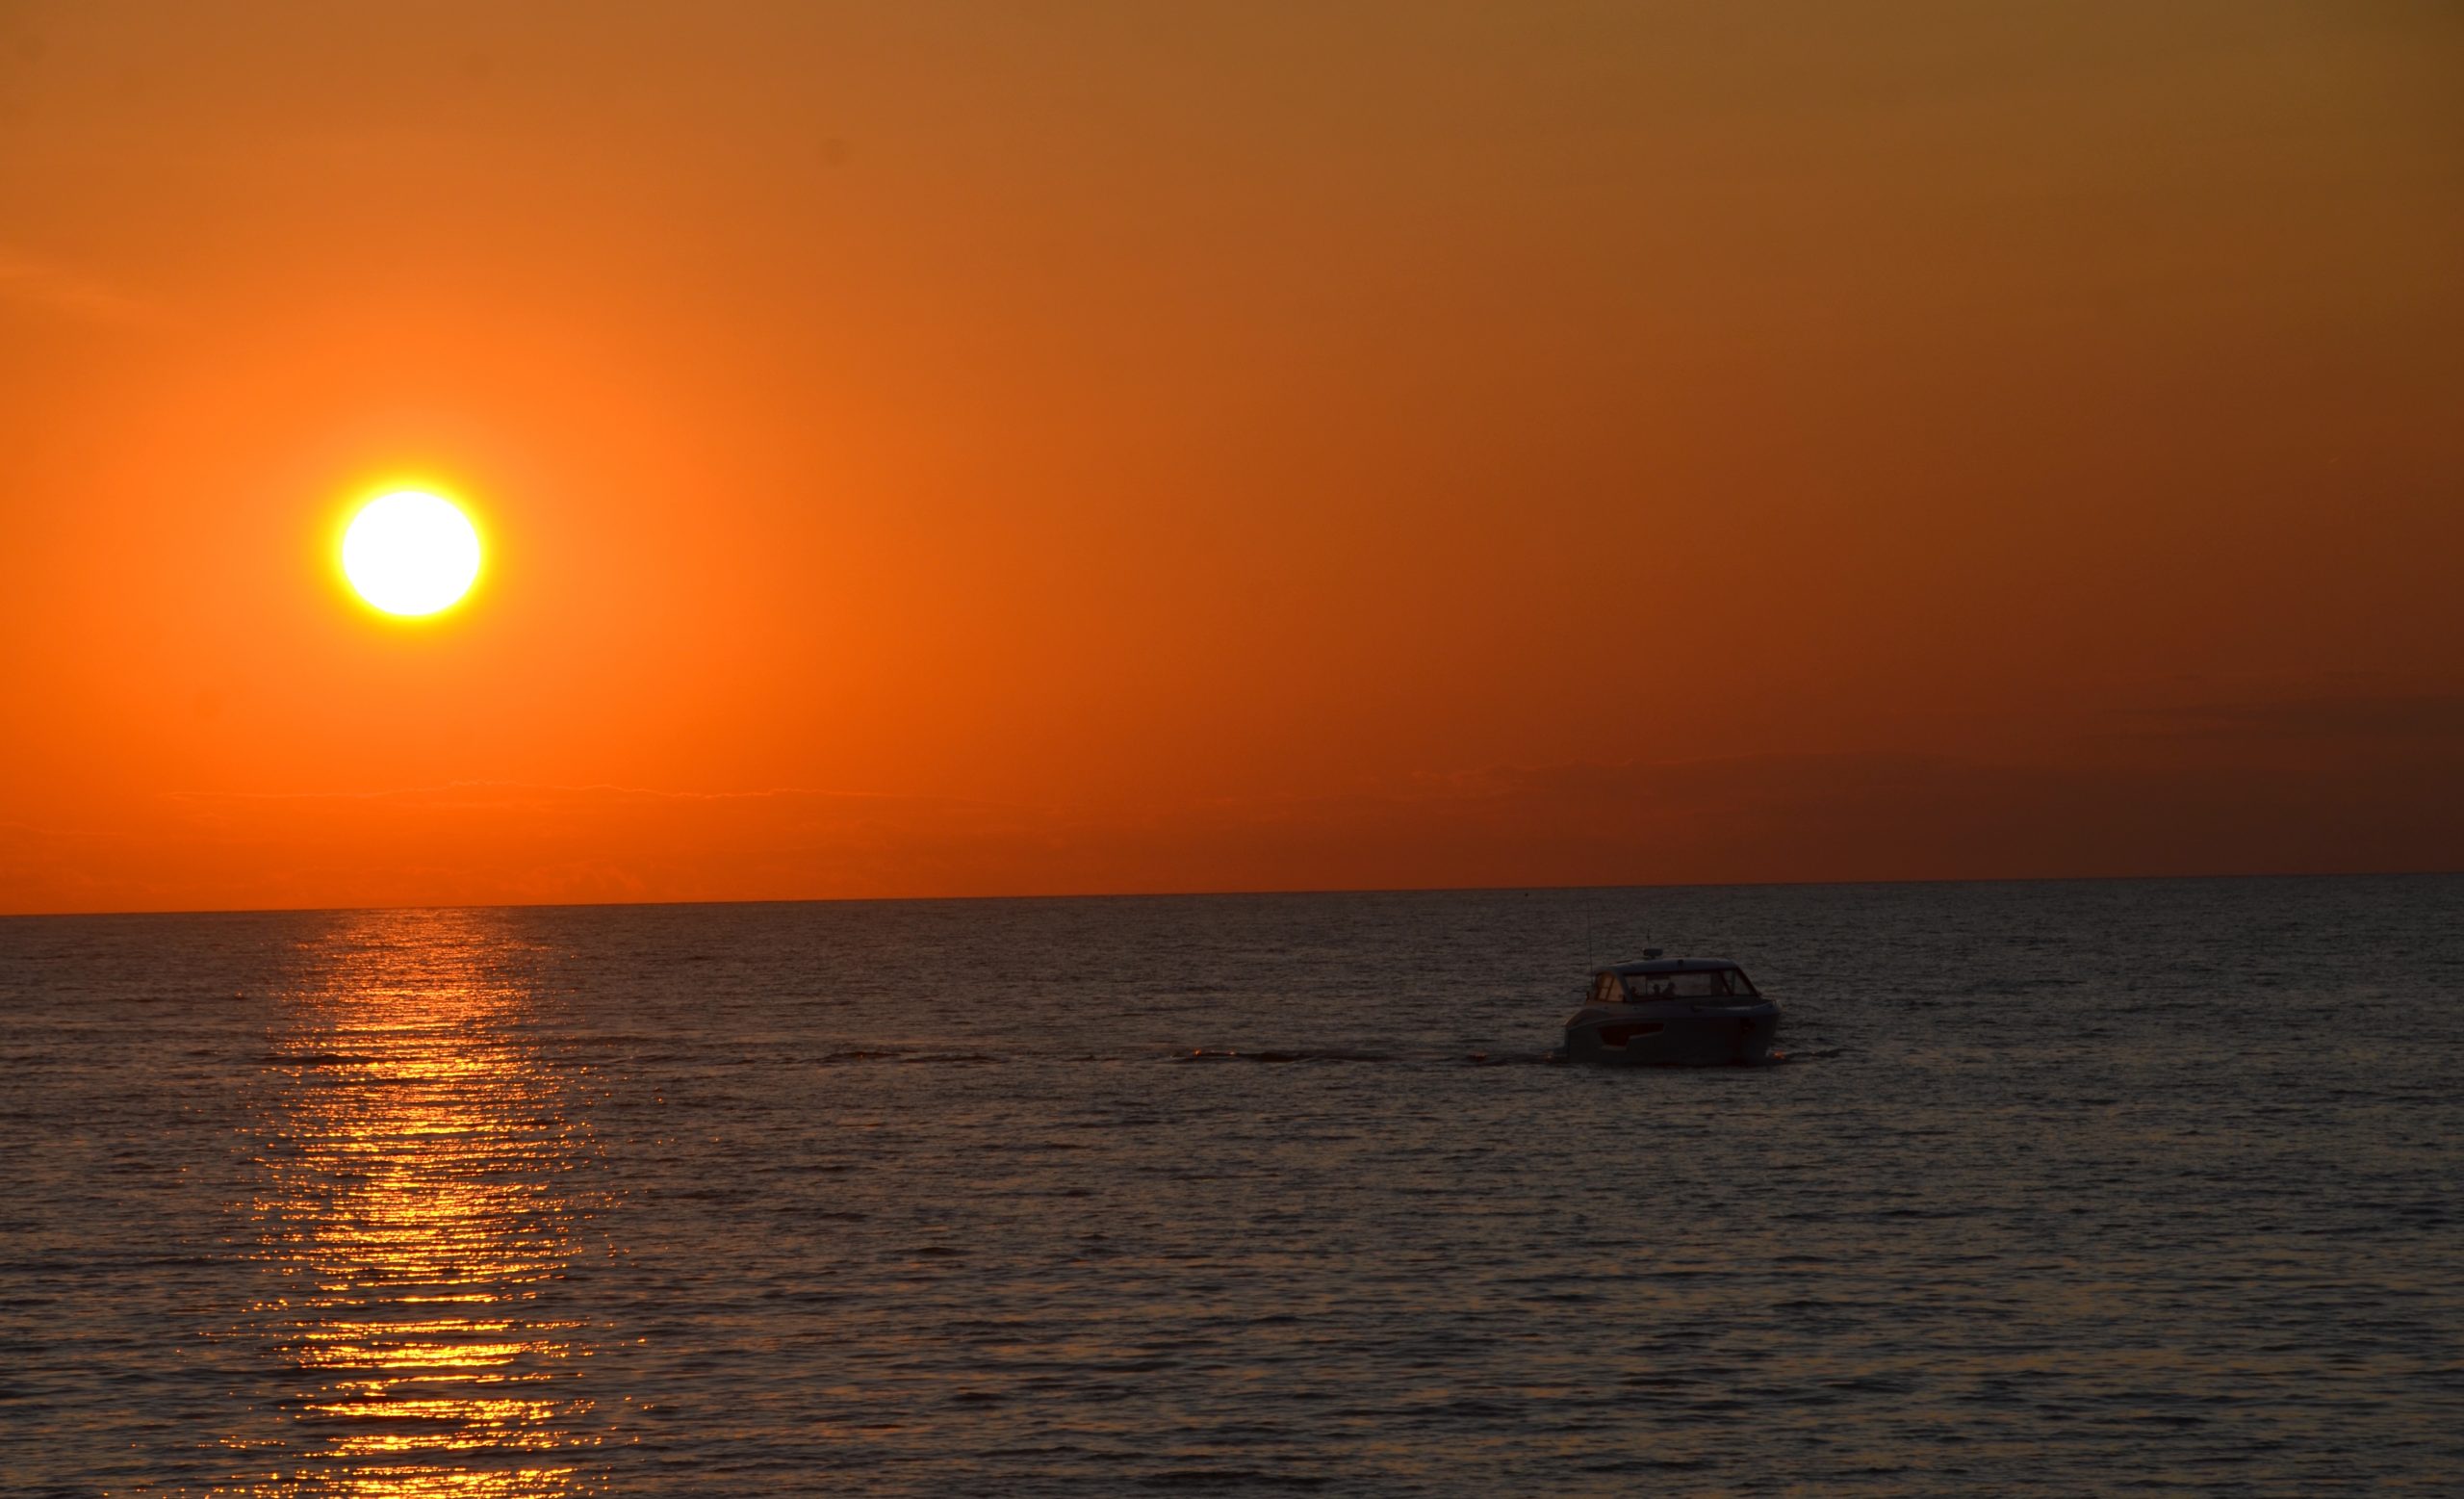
[(1718, 984)]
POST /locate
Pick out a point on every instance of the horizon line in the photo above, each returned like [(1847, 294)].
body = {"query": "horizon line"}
[(1235, 894)]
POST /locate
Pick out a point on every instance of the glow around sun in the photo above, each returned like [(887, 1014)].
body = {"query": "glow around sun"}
[(410, 552)]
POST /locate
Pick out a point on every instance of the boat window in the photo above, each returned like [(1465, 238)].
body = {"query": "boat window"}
[(1604, 988), (1717, 983)]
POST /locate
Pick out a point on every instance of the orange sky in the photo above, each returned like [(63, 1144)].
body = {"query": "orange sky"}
[(939, 449)]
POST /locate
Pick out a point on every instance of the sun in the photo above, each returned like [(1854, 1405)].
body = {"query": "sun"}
[(410, 552)]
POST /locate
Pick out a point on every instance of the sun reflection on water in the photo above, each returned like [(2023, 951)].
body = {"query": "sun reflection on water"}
[(418, 1214)]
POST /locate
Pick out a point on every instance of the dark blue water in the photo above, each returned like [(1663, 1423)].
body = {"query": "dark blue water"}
[(2069, 1188)]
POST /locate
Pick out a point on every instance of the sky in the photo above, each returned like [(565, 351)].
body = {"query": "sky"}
[(956, 450)]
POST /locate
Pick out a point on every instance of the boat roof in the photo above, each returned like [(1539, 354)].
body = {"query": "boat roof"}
[(1668, 966)]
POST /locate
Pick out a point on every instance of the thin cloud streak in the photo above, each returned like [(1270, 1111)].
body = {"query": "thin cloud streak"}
[(594, 789), (1805, 818), (54, 289)]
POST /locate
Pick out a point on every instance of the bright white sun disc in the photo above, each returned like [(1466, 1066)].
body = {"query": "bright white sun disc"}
[(410, 552)]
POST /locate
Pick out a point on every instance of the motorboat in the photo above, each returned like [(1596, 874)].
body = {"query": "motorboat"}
[(1672, 1012)]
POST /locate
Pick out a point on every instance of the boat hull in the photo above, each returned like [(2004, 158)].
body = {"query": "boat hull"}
[(1673, 1034)]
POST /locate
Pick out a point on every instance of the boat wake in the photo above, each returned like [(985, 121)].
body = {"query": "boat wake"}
[(1208, 1054), (919, 1056)]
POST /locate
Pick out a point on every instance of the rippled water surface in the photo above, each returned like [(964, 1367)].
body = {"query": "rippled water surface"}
[(2066, 1187)]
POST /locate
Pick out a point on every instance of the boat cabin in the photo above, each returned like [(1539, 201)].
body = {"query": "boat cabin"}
[(1670, 978)]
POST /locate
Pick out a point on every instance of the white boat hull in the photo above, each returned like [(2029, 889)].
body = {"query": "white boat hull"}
[(1672, 1033)]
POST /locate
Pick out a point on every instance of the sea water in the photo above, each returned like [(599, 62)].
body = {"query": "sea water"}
[(2063, 1187)]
